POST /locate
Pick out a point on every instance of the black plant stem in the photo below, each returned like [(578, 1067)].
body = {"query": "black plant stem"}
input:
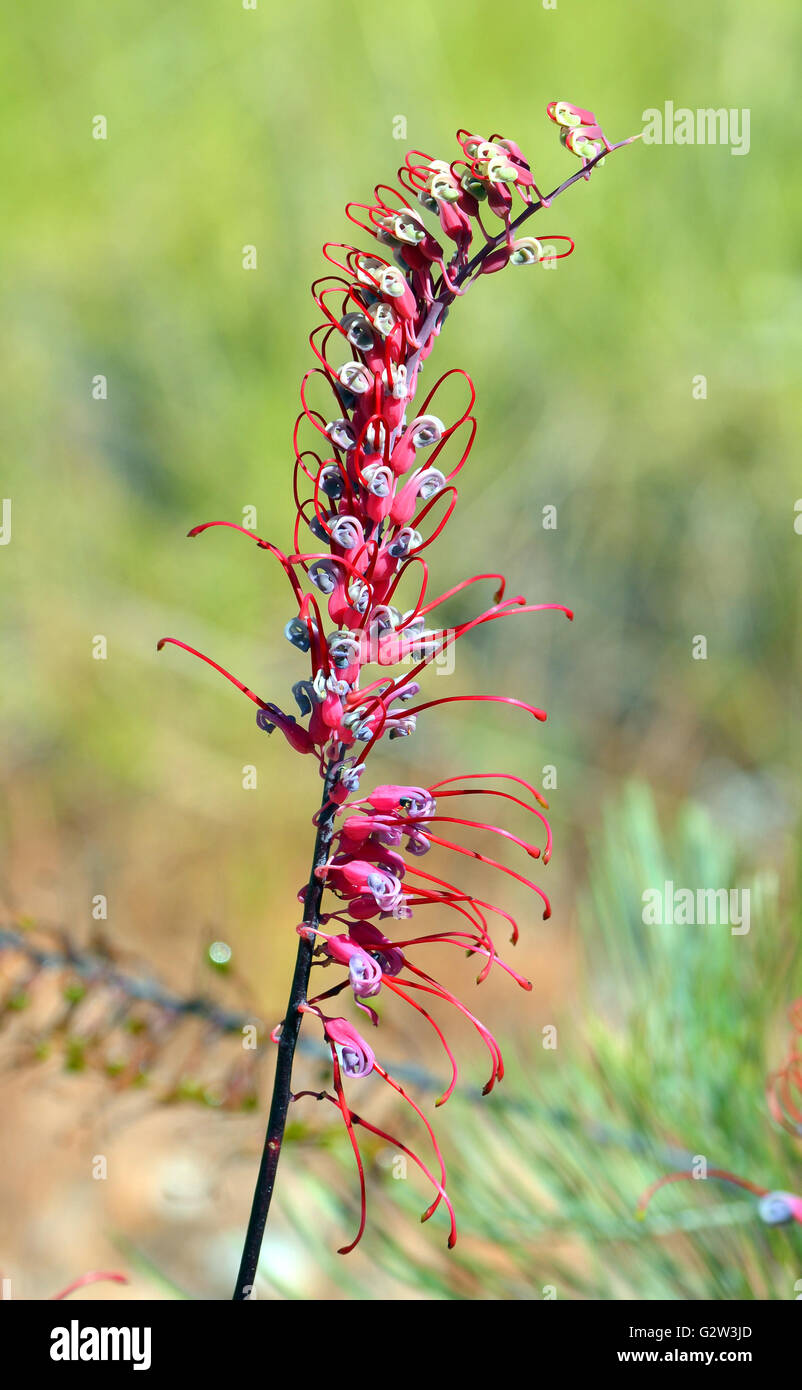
[(290, 1029)]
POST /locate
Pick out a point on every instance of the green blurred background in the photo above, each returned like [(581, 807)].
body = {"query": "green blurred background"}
[(123, 257)]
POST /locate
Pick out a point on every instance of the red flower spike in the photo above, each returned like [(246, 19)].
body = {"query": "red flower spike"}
[(373, 482)]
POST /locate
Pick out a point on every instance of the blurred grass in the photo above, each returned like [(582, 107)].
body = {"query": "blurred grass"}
[(230, 127)]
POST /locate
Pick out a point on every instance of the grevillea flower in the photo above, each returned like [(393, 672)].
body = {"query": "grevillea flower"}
[(783, 1089), (374, 482)]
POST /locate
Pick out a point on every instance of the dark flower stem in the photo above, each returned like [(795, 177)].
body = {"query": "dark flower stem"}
[(290, 1029)]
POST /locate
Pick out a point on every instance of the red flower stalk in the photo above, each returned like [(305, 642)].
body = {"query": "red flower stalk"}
[(374, 483), (783, 1090)]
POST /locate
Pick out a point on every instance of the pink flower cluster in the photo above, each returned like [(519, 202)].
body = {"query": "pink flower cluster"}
[(374, 485), (377, 883)]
